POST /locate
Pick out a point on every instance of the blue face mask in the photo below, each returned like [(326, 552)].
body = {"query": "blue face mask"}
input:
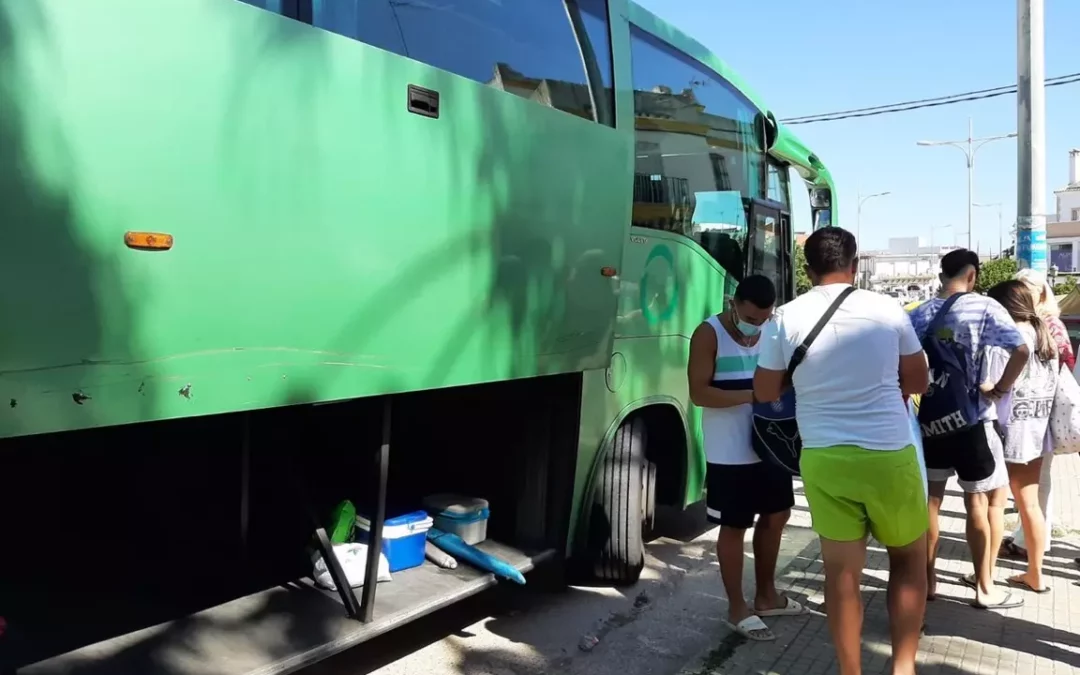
[(747, 329)]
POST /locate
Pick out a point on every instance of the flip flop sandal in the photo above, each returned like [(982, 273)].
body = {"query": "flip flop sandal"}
[(790, 608), (752, 628), (1017, 582), (1006, 603)]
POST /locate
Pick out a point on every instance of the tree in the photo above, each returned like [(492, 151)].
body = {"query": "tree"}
[(1065, 286), (994, 272), (802, 281)]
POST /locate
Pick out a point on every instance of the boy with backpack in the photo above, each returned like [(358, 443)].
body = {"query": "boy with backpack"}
[(958, 417)]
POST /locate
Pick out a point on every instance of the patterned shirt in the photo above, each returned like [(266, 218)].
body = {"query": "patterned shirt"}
[(1061, 339), (976, 322)]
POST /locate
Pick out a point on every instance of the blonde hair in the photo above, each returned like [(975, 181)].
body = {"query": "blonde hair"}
[(1036, 282)]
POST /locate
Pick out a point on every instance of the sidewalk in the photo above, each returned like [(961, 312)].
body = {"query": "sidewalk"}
[(1039, 638)]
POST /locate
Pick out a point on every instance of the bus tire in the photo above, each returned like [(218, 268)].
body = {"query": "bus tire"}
[(625, 493)]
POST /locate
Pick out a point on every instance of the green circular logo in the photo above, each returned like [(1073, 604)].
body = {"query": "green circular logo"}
[(660, 264)]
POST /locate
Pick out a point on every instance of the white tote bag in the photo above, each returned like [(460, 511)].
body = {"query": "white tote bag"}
[(1065, 414), (916, 440)]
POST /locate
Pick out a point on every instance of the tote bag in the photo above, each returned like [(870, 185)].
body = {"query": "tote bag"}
[(1065, 414)]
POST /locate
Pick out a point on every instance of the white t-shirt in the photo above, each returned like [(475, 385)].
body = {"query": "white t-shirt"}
[(726, 431), (848, 387)]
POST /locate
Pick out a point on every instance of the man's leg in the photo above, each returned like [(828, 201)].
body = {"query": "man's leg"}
[(907, 603), (899, 518), (729, 552), (982, 473), (995, 513), (844, 562), (775, 497), (937, 494), (834, 480), (767, 536), (727, 504)]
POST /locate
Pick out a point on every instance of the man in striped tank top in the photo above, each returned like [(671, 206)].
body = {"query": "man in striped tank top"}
[(740, 487)]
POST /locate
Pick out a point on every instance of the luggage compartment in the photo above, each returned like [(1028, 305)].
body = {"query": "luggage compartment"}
[(183, 546)]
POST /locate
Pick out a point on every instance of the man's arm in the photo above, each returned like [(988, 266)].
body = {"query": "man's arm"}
[(999, 330), (699, 373), (772, 366), (914, 371)]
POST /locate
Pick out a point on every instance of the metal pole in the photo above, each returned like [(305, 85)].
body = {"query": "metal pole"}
[(858, 236), (971, 174), (1001, 234), (1030, 120)]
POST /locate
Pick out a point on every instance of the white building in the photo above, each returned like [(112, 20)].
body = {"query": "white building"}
[(1063, 236), (907, 267)]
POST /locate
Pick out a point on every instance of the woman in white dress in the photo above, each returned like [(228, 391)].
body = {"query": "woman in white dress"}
[(1028, 425)]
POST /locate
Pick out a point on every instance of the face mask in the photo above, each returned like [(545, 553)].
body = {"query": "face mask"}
[(747, 329)]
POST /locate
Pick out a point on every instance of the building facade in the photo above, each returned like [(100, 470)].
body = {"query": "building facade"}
[(1063, 235)]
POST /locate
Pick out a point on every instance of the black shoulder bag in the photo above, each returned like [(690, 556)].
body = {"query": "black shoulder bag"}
[(775, 436)]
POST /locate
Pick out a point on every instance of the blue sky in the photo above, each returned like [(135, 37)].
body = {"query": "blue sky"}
[(813, 57)]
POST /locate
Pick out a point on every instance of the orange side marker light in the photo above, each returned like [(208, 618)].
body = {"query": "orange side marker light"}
[(148, 241), (608, 271)]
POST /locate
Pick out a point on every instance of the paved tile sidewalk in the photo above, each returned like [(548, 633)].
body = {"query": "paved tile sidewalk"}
[(1039, 638)]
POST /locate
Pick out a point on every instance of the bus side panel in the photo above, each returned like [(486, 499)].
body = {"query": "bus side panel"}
[(328, 244), (658, 311)]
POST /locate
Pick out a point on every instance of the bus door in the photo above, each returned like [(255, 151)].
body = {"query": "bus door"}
[(770, 247)]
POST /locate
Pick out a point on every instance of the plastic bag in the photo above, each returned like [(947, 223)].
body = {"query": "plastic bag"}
[(916, 440), (353, 561)]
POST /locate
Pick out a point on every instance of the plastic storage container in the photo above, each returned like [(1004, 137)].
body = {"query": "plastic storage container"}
[(403, 538), (467, 517)]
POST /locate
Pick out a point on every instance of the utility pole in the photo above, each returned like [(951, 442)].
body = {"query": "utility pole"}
[(1031, 147), (969, 147)]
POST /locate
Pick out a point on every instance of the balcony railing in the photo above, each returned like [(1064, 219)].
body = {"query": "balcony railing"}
[(653, 189)]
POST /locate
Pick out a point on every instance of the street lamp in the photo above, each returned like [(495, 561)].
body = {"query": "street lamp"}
[(1001, 225), (858, 228), (858, 214), (969, 147), (934, 228)]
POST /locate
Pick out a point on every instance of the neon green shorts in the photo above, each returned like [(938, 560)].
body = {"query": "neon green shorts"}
[(853, 490)]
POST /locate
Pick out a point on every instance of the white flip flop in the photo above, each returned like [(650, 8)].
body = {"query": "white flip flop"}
[(749, 625), (790, 608)]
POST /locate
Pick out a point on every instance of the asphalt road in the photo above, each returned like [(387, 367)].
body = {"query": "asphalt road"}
[(655, 627)]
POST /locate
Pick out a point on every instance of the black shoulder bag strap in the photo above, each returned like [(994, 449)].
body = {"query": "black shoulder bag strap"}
[(800, 351)]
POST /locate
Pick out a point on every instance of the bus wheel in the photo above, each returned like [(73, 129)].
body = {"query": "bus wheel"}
[(624, 503)]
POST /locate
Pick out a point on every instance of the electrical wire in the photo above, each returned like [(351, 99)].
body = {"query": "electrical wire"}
[(993, 90), (905, 106)]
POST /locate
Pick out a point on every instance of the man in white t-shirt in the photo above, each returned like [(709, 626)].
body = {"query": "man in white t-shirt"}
[(859, 466), (739, 486)]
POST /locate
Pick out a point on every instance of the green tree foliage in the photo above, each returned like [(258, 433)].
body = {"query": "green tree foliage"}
[(802, 281), (1065, 285), (994, 272)]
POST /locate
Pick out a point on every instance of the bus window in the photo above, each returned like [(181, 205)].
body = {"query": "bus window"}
[(696, 141), (539, 50), (778, 183), (766, 257)]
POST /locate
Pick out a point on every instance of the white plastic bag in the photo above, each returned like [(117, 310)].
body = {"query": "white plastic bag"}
[(916, 440), (353, 561), (1065, 415)]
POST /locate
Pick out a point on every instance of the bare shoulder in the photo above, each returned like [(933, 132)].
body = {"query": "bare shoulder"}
[(704, 334)]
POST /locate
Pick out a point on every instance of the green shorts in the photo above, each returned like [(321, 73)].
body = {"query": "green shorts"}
[(853, 490)]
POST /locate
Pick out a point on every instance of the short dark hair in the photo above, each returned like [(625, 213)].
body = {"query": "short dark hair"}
[(830, 249), (955, 262), (757, 289)]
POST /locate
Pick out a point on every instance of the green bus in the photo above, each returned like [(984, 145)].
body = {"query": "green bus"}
[(219, 321)]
